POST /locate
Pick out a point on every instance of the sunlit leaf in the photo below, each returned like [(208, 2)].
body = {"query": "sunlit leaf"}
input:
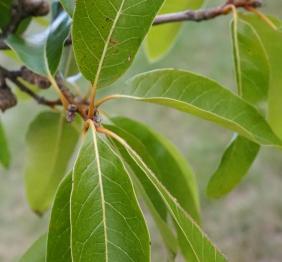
[(106, 221), (107, 34), (162, 37), (202, 97), (51, 142), (272, 42), (58, 244), (37, 252), (193, 239), (4, 150)]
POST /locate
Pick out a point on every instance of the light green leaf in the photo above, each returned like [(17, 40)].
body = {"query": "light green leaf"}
[(235, 164), (253, 76), (41, 53), (272, 42), (251, 63), (4, 150), (58, 244), (37, 252), (193, 238), (51, 142), (69, 6), (202, 97), (107, 35), (162, 37), (107, 223), (169, 166)]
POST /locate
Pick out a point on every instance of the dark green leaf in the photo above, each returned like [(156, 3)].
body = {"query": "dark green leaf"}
[(4, 150), (193, 238), (107, 223), (169, 165), (37, 252), (107, 35), (272, 41), (161, 38), (58, 244), (202, 97), (51, 142), (5, 7), (42, 53)]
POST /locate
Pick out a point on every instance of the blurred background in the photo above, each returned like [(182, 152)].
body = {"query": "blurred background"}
[(246, 225)]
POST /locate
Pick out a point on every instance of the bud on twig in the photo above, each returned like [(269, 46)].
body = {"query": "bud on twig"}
[(35, 7)]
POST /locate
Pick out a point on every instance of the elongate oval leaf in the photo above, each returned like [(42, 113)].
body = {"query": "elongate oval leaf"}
[(4, 150), (271, 40), (161, 38), (108, 33), (193, 238), (58, 244), (51, 142), (37, 252), (202, 97), (253, 77), (106, 221), (170, 166)]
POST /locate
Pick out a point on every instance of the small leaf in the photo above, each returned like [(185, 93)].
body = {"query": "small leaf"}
[(58, 244), (271, 40), (107, 223), (202, 97), (4, 150), (235, 163), (37, 252), (107, 35), (51, 142), (5, 7), (196, 243), (41, 53), (161, 38)]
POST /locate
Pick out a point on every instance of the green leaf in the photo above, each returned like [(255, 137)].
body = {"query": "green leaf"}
[(58, 244), (107, 223), (150, 195), (69, 6), (169, 166), (4, 150), (193, 238), (202, 97), (5, 7), (51, 142), (235, 164), (162, 37), (272, 42), (253, 76), (37, 252), (107, 34), (42, 52)]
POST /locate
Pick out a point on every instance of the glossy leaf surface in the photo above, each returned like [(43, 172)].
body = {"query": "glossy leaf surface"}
[(107, 35), (107, 223), (202, 97), (51, 142)]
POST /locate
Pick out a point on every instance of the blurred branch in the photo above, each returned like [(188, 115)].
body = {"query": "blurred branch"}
[(206, 14)]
